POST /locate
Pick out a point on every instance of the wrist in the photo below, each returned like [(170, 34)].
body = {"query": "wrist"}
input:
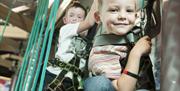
[(130, 74), (135, 53)]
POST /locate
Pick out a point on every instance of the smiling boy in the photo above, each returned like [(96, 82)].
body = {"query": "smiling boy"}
[(116, 18)]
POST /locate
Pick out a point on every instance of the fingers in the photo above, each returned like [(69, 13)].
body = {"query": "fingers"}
[(148, 41), (147, 38), (143, 45)]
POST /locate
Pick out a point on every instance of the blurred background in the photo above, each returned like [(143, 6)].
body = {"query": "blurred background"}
[(165, 51)]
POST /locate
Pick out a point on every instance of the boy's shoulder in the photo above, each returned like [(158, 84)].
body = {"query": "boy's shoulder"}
[(70, 26)]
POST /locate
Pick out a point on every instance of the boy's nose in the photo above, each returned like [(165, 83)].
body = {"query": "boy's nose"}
[(74, 19), (121, 15)]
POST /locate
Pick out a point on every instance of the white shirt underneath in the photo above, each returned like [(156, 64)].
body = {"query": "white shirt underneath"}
[(67, 32)]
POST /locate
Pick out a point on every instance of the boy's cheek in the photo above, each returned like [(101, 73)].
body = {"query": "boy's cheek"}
[(109, 28), (133, 19)]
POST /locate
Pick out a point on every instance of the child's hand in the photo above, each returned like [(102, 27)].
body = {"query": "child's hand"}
[(143, 46)]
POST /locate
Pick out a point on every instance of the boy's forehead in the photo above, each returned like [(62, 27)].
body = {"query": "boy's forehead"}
[(135, 3), (124, 2), (75, 11), (75, 8), (118, 1)]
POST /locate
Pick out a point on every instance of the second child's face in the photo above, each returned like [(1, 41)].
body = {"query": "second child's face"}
[(118, 16), (74, 15)]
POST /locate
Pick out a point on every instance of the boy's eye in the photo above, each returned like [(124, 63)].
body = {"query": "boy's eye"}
[(113, 10), (130, 10), (71, 15), (80, 17)]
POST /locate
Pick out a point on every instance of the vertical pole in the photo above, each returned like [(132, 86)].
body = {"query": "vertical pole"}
[(170, 66)]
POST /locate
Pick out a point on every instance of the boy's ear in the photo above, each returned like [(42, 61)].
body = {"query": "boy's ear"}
[(97, 17), (137, 16), (64, 20)]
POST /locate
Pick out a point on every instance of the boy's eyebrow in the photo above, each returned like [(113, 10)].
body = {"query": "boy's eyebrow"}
[(131, 6), (117, 5), (113, 6), (71, 12)]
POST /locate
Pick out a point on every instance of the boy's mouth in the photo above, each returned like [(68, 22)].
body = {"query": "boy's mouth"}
[(120, 23)]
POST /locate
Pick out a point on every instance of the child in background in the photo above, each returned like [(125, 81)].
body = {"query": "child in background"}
[(75, 23)]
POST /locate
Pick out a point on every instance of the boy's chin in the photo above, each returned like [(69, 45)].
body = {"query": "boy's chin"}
[(120, 32)]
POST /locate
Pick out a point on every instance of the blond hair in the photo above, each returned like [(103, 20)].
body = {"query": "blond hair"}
[(100, 3)]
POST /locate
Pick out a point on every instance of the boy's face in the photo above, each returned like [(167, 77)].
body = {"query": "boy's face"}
[(74, 15), (118, 16)]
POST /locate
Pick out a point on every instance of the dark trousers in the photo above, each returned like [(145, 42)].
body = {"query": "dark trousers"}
[(48, 78)]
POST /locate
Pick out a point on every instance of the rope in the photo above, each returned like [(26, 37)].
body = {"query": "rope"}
[(7, 20), (50, 28), (36, 49), (39, 43), (19, 84)]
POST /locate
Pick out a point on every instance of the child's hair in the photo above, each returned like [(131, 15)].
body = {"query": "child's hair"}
[(100, 3), (76, 4)]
